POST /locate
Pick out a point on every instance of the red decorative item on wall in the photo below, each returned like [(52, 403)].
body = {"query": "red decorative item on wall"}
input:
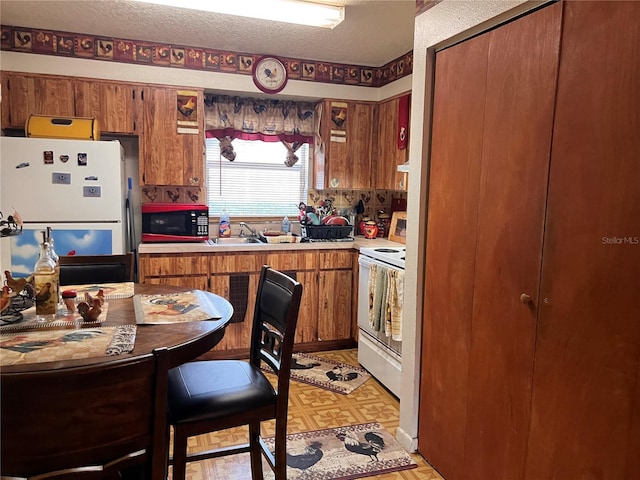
[(403, 121)]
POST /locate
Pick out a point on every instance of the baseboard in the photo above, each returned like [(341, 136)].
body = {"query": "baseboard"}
[(409, 443)]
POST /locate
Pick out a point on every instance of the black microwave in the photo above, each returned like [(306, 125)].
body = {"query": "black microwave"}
[(175, 222)]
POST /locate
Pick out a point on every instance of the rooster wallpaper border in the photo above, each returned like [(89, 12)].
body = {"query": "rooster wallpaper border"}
[(78, 45)]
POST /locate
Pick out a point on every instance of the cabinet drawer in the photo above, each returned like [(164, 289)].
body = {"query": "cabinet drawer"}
[(236, 262), (292, 261), (173, 265), (333, 259)]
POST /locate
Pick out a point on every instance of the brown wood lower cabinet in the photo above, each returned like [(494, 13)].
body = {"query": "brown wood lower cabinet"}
[(531, 339), (174, 269), (328, 299), (335, 297)]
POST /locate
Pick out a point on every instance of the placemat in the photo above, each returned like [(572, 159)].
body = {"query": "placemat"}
[(49, 345), (30, 321), (111, 290), (191, 306)]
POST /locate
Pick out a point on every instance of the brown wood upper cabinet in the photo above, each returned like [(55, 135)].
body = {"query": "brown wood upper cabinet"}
[(167, 156), (386, 155), (116, 106), (26, 94), (347, 133)]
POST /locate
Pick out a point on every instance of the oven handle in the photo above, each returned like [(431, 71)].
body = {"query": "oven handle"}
[(365, 261)]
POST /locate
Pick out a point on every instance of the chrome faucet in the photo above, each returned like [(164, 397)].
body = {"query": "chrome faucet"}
[(251, 230)]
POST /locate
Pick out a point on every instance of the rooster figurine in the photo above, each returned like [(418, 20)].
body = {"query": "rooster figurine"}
[(90, 313), (16, 284), (91, 301), (5, 298)]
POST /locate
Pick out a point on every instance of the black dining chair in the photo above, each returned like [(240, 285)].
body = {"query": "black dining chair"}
[(84, 269), (87, 422), (214, 395)]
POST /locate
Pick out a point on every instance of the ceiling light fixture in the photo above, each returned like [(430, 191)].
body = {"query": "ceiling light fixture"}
[(291, 11)]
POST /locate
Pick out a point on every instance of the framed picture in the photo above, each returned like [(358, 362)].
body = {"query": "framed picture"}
[(398, 230)]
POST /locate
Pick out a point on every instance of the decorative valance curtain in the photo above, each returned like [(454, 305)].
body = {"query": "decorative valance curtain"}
[(257, 119)]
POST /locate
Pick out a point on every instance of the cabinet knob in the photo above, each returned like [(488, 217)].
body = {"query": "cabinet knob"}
[(526, 299)]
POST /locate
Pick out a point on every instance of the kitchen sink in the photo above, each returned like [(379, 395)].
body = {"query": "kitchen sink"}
[(235, 240)]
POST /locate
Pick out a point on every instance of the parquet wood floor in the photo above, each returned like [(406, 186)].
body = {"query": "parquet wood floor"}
[(312, 408)]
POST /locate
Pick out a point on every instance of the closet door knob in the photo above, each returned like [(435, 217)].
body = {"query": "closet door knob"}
[(526, 299)]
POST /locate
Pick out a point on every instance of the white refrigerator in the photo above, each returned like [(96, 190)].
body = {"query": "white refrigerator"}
[(76, 187)]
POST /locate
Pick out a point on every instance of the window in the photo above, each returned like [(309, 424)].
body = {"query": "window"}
[(257, 182)]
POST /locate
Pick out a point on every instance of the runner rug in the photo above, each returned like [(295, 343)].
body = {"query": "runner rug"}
[(328, 374), (344, 453)]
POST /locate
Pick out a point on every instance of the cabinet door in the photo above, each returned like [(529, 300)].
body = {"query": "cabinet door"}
[(167, 156), (307, 328), (359, 141), (453, 193), (347, 156), (492, 359), (158, 265), (24, 95), (334, 305), (114, 105), (198, 282), (387, 155), (586, 402)]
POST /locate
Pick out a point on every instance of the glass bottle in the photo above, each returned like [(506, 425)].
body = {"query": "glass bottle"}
[(56, 259), (46, 284)]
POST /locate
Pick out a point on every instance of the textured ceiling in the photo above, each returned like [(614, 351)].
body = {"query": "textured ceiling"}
[(374, 31)]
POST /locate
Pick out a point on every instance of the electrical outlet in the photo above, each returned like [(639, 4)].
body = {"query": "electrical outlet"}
[(91, 191), (61, 178)]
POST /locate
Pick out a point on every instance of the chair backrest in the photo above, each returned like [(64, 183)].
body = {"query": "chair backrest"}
[(73, 418), (274, 325), (83, 269)]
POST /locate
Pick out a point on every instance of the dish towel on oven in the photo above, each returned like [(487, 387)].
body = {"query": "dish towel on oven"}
[(393, 314), (377, 296)]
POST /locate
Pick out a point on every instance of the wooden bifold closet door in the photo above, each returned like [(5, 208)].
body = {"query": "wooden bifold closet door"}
[(531, 332), (586, 393)]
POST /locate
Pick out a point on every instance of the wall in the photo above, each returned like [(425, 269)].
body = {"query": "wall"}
[(213, 81), (445, 23)]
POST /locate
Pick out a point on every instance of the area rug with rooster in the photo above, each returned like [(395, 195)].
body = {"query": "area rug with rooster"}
[(343, 453), (324, 373)]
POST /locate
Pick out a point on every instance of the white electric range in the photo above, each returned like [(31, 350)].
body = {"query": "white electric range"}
[(377, 352)]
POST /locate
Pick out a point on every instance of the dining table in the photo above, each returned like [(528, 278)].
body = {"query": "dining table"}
[(102, 405), (185, 341)]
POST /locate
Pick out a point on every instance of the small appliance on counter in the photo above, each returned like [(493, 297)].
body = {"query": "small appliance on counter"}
[(175, 222)]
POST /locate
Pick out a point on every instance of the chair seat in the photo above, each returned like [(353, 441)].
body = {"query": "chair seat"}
[(215, 389)]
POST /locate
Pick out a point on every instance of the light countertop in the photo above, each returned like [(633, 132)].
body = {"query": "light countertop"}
[(205, 247)]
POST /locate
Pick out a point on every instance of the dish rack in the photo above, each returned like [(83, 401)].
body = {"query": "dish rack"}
[(326, 232)]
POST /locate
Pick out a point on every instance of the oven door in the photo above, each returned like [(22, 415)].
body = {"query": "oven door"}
[(377, 353)]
